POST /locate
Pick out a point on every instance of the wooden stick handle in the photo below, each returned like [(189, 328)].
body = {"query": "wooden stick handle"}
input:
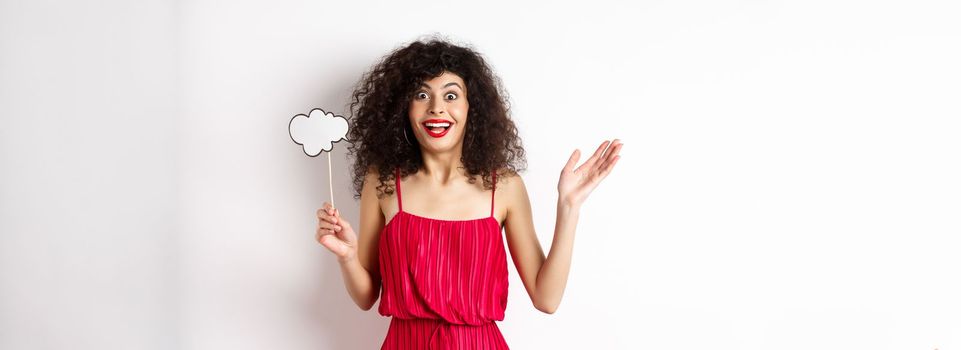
[(330, 180)]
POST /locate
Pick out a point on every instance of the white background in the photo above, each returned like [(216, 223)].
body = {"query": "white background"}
[(789, 178)]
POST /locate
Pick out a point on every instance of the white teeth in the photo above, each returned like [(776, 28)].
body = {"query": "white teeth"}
[(437, 125)]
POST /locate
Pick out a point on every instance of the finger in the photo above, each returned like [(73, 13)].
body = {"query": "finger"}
[(329, 226), (609, 167), (335, 216), (319, 236), (593, 159), (609, 154), (612, 155), (612, 152), (613, 147), (322, 231), (572, 160), (343, 224), (324, 217)]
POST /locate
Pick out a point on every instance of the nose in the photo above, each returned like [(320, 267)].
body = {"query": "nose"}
[(436, 107)]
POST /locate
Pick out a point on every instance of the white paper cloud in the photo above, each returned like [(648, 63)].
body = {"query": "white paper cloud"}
[(318, 131)]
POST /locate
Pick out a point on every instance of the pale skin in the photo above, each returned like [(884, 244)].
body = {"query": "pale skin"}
[(440, 190)]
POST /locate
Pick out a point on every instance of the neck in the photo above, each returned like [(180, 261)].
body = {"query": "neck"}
[(442, 167)]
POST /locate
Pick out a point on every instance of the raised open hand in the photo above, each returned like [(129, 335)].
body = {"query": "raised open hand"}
[(576, 184)]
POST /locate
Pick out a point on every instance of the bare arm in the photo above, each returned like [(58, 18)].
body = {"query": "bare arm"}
[(545, 278), (357, 257)]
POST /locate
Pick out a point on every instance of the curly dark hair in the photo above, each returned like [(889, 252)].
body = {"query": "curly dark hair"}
[(379, 121)]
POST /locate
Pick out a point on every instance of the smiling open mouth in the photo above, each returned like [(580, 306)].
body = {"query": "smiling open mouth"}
[(437, 127)]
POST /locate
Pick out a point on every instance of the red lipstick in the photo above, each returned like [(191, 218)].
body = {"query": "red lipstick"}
[(431, 124)]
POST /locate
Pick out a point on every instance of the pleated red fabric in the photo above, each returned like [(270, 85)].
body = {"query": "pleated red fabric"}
[(443, 282)]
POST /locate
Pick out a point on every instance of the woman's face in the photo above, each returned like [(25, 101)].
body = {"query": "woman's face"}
[(438, 113)]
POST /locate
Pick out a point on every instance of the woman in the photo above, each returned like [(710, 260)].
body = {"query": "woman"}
[(429, 120)]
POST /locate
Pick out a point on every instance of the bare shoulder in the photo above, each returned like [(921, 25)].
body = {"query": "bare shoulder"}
[(372, 173), (511, 190), (369, 191), (508, 179), (370, 182)]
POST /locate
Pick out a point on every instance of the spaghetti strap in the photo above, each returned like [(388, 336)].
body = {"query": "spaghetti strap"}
[(400, 206), (493, 188)]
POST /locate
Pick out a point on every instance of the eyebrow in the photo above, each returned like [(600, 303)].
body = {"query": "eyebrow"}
[(446, 85)]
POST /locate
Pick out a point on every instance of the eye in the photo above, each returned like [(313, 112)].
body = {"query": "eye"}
[(451, 94), (421, 95)]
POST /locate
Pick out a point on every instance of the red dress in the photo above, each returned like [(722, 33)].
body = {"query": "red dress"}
[(444, 282)]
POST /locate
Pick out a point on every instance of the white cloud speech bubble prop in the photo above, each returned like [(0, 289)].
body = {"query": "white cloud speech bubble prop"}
[(317, 132)]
